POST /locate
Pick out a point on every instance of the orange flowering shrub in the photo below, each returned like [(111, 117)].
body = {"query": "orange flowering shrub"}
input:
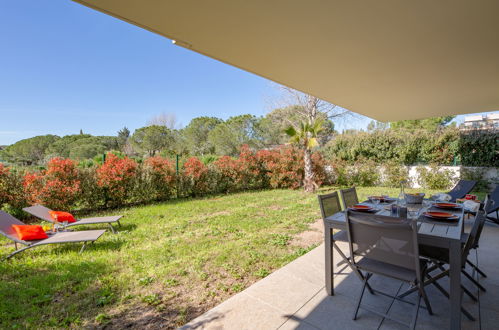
[(58, 187), (195, 177), (116, 176), (245, 172), (161, 177), (284, 167)]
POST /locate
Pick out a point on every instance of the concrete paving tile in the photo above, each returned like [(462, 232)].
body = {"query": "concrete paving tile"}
[(293, 324), (284, 291), (489, 318), (325, 312), (239, 312)]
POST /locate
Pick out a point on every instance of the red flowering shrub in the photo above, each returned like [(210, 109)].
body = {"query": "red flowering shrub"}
[(229, 174), (116, 176), (195, 177), (161, 178), (253, 170), (284, 166), (58, 187)]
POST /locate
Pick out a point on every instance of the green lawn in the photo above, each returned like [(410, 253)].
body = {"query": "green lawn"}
[(169, 262)]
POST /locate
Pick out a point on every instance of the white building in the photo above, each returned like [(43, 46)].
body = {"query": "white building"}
[(490, 121)]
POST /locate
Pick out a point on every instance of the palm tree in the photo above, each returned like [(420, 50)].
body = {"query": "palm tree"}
[(305, 136)]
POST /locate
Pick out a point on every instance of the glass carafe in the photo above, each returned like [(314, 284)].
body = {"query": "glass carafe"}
[(401, 197)]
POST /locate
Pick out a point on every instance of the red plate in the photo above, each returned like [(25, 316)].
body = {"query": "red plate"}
[(447, 205), (360, 207), (440, 215), (382, 199)]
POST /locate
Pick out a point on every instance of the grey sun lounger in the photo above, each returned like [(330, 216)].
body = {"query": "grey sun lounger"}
[(462, 188), (42, 212), (6, 222)]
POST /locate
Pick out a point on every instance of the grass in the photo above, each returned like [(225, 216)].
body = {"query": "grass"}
[(169, 262)]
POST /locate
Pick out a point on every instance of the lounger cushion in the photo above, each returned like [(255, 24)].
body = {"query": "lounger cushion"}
[(29, 232), (61, 216)]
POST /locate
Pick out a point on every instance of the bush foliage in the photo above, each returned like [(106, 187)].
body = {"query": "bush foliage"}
[(443, 147), (121, 180)]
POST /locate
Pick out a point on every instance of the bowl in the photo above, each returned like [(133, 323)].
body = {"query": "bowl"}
[(414, 198)]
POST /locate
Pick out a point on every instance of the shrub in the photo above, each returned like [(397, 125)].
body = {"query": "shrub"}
[(116, 176), (394, 173), (435, 178), (479, 148), (161, 178), (364, 172), (12, 194), (57, 187), (284, 167), (477, 174), (195, 177), (229, 172)]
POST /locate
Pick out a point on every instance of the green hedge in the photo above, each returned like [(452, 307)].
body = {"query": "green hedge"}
[(442, 147)]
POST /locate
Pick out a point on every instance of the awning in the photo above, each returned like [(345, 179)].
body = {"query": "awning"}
[(386, 59)]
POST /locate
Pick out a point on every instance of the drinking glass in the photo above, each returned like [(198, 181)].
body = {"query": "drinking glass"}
[(376, 202), (413, 213)]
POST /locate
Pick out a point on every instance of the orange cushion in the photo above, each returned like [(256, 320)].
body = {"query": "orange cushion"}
[(60, 216), (29, 232)]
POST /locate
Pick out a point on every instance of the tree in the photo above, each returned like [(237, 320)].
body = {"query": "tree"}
[(375, 125), (306, 137), (230, 135), (431, 124), (152, 139), (273, 125), (123, 136), (29, 151), (169, 120), (196, 135), (62, 146), (312, 112)]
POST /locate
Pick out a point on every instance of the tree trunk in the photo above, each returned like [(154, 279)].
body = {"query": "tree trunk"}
[(308, 181)]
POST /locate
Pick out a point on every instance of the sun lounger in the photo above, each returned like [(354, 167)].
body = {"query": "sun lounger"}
[(42, 212), (462, 188), (6, 222)]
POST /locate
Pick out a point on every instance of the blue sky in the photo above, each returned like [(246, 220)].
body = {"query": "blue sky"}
[(64, 67)]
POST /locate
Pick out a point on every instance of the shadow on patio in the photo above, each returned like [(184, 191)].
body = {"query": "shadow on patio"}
[(294, 297)]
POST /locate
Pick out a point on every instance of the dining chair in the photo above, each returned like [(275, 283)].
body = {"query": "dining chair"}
[(349, 197), (440, 257), (330, 205), (388, 247)]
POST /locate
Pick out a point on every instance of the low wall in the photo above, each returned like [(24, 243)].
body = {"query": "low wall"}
[(490, 173)]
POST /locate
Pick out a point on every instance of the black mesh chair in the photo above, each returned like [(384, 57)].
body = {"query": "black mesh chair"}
[(330, 204), (462, 188), (349, 197), (388, 247)]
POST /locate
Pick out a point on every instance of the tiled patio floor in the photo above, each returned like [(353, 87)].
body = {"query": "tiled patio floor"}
[(294, 297)]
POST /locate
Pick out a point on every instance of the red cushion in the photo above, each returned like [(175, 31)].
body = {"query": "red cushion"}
[(60, 216), (29, 232)]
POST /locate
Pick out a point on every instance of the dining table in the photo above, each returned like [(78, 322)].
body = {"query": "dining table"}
[(432, 233)]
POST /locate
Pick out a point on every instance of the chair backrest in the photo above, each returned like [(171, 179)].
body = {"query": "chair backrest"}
[(492, 202), (6, 222), (474, 235), (462, 188), (349, 197), (382, 238), (330, 204), (40, 211)]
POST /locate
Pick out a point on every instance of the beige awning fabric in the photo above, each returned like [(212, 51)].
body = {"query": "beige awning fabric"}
[(386, 59)]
